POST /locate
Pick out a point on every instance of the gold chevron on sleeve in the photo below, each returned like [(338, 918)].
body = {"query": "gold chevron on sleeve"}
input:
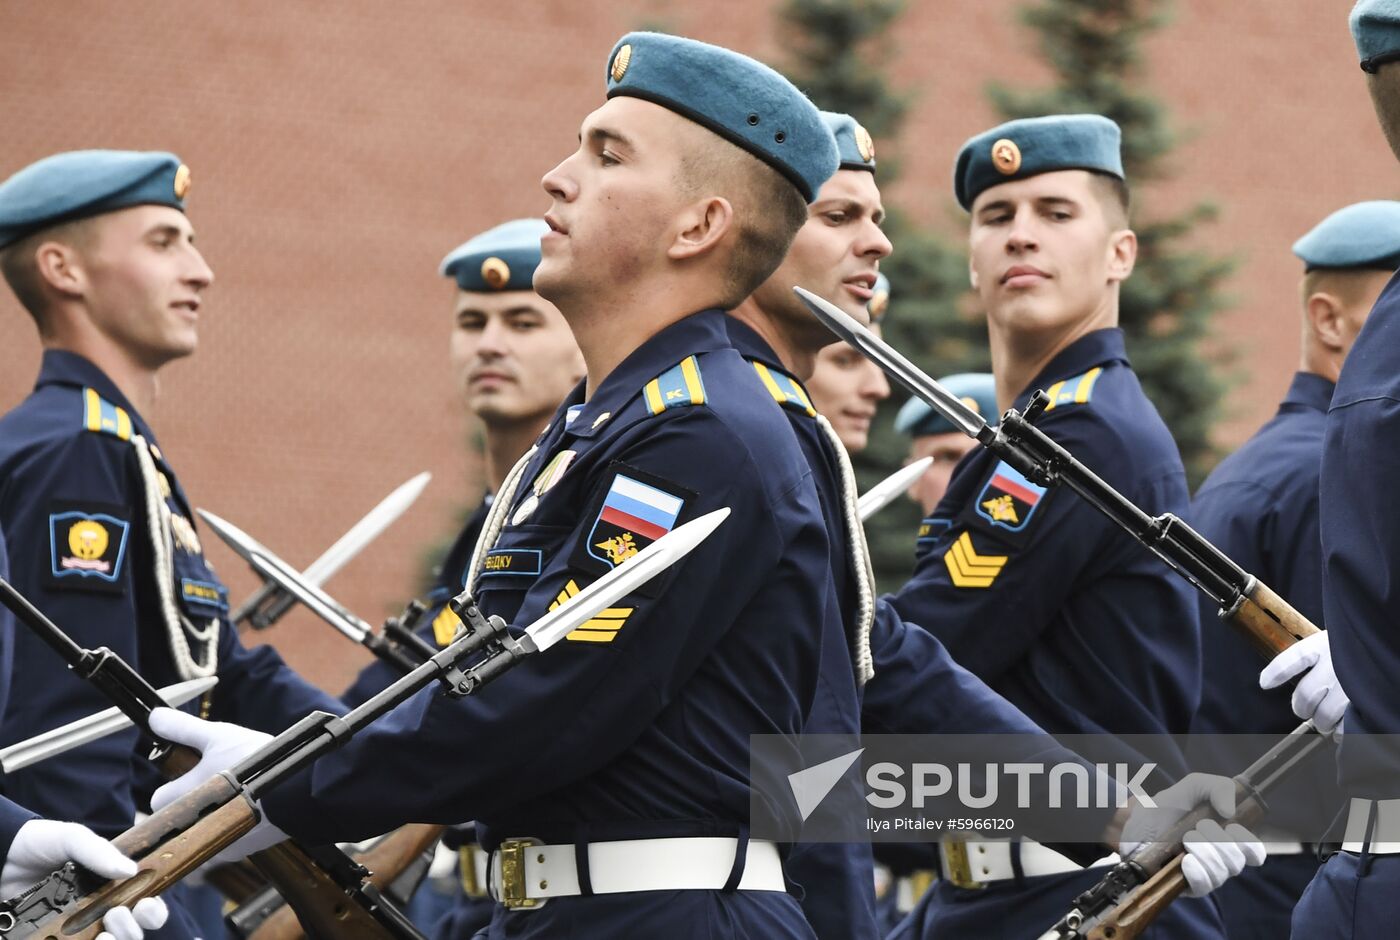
[(969, 569), (602, 628)]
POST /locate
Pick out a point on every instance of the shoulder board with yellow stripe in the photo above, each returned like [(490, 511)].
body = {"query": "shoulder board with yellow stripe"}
[(1075, 390), (104, 417), (785, 389), (677, 387)]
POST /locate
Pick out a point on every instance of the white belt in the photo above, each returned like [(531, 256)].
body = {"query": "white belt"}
[(525, 873), (974, 864), (1385, 837)]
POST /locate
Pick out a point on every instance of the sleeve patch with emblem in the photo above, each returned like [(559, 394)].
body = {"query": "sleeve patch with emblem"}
[(630, 509), (87, 548), (602, 628), (1009, 500), (970, 569), (633, 515)]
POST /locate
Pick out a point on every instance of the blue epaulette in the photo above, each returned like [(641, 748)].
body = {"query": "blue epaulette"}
[(104, 417), (677, 387), (1075, 390), (785, 389)]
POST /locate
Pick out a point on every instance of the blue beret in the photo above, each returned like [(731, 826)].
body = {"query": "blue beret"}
[(501, 258), (879, 302), (853, 142), (1363, 235), (1019, 149), (977, 390), (84, 183), (1375, 26), (738, 98)]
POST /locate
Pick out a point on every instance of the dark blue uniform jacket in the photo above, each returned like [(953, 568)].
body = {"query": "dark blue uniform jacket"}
[(73, 510), (637, 725)]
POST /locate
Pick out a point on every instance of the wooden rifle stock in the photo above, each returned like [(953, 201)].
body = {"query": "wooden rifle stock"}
[(317, 899), (1271, 624), (386, 859)]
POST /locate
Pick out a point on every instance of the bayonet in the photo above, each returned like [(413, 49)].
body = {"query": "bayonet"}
[(891, 488), (267, 604), (65, 738), (401, 652)]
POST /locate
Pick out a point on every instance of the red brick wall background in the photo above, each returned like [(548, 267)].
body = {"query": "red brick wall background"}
[(340, 149)]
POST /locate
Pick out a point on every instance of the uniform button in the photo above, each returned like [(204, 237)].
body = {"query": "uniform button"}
[(540, 858), (544, 884)]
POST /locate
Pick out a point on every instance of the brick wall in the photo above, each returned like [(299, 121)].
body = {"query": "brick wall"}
[(339, 150)]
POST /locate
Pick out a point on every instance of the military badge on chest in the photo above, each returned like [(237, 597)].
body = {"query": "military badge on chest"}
[(87, 547), (634, 510), (552, 473)]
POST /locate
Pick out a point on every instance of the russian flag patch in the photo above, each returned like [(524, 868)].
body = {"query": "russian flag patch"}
[(633, 515), (1008, 499)]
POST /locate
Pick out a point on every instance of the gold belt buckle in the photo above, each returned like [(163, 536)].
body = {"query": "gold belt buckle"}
[(957, 868), (511, 855)]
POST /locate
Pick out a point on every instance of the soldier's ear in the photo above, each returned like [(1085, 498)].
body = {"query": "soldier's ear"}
[(1325, 317), (60, 266), (701, 226), (1122, 255)]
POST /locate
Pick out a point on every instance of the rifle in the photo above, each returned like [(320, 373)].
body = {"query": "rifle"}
[(1270, 623), (1266, 619), (315, 881), (173, 842), (1127, 899)]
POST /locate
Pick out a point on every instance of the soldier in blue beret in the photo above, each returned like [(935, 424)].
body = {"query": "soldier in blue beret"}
[(97, 248), (621, 755), (1028, 587), (899, 675), (514, 360), (1357, 892), (932, 435), (1260, 506)]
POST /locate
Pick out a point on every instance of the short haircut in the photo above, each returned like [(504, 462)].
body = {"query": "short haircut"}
[(21, 271), (1349, 285), (768, 210), (1113, 195)]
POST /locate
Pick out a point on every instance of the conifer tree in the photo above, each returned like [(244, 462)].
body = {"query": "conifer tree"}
[(1093, 49)]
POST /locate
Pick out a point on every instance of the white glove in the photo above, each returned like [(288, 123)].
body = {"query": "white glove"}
[(43, 845), (1214, 854), (221, 746), (1318, 695)]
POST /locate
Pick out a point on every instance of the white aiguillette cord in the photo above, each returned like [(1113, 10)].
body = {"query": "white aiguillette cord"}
[(496, 518), (158, 521), (858, 551)]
